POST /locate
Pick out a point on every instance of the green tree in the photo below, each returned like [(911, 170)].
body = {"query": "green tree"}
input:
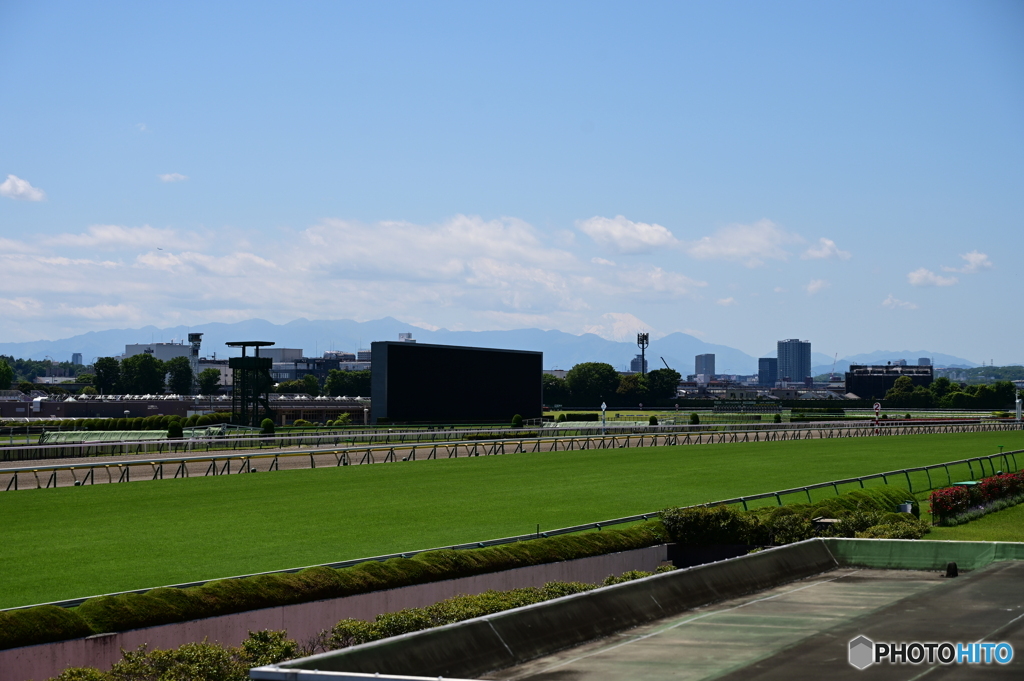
[(88, 390), (267, 426), (209, 381), (85, 378), (142, 374), (663, 383), (554, 389), (6, 375), (108, 375), (311, 385), (347, 383), (590, 383), (632, 387), (179, 372), (290, 387), (940, 387)]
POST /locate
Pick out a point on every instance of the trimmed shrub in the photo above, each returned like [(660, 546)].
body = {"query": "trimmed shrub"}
[(777, 418), (174, 430), (653, 421), (42, 624), (204, 420), (857, 511), (561, 418), (267, 426), (694, 419), (517, 421)]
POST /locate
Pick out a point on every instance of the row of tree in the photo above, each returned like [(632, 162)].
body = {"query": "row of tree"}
[(339, 383), (944, 393), (591, 383), (144, 374)]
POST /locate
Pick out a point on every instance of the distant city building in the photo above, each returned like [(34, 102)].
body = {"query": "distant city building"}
[(638, 364), (767, 371), (901, 363), (76, 358), (282, 354), (704, 364), (363, 355), (872, 382), (924, 361), (341, 356), (406, 338), (794, 357), (557, 373), (161, 351)]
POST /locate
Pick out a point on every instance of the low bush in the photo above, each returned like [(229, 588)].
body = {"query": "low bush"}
[(102, 614), (201, 661), (349, 632), (653, 421), (868, 512), (517, 421), (694, 419)]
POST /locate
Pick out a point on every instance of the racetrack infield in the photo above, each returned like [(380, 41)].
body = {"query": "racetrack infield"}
[(80, 541)]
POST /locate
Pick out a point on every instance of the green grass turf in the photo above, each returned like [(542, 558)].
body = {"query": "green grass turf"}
[(1006, 525), (79, 541)]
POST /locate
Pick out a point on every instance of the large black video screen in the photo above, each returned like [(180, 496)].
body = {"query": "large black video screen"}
[(417, 382)]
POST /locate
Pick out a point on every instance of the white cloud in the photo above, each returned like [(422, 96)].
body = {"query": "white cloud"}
[(619, 326), (749, 244), (16, 188), (925, 277), (825, 248), (975, 262), (115, 237), (726, 302), (816, 285), (779, 289), (141, 127), (172, 177), (896, 304), (464, 271), (602, 261), (626, 236)]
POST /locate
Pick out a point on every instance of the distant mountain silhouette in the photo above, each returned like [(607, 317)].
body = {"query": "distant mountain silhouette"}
[(561, 350)]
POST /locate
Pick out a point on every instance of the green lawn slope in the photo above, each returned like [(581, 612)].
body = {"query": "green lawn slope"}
[(80, 541), (1007, 525)]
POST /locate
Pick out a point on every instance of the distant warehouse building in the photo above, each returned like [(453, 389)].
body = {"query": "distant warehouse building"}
[(872, 382)]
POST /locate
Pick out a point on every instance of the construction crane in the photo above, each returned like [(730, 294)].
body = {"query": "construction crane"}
[(665, 363)]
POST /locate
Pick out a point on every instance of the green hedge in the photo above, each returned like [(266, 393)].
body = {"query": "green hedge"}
[(861, 513), (44, 624)]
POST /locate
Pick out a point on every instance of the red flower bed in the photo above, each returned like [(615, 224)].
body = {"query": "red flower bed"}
[(951, 501)]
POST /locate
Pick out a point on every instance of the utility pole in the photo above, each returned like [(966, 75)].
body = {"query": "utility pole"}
[(642, 341)]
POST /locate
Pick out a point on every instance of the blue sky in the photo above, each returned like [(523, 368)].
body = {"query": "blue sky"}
[(850, 173)]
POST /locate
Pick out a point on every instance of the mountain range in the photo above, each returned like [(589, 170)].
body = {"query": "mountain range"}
[(561, 350)]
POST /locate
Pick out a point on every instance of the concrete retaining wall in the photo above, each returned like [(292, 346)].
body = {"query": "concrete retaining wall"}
[(478, 646), (917, 554), (305, 620)]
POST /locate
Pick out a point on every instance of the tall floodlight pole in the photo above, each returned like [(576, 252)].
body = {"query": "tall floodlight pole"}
[(642, 341)]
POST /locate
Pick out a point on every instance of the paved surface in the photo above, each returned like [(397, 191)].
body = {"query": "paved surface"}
[(802, 630)]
